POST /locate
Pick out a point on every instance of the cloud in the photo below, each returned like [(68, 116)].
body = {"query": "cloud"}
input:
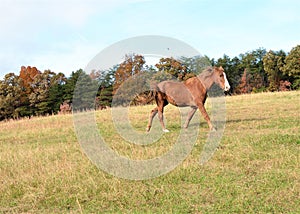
[(47, 33)]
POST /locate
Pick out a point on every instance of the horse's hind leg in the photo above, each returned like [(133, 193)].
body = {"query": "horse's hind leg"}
[(190, 116), (206, 117), (152, 115), (161, 106), (161, 103)]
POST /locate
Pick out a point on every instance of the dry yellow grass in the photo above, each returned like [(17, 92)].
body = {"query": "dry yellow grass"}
[(256, 168)]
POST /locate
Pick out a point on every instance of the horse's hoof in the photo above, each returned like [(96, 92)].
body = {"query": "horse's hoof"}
[(166, 130), (213, 129)]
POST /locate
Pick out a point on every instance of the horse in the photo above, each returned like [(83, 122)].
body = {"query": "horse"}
[(192, 92)]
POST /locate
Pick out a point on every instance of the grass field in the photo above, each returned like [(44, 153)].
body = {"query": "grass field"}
[(256, 168)]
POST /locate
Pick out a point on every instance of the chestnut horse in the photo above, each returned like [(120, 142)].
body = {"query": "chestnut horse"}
[(192, 92)]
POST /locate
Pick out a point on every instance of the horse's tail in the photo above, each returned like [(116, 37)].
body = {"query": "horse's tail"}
[(153, 92)]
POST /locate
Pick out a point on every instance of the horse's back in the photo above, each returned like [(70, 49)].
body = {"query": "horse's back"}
[(176, 93)]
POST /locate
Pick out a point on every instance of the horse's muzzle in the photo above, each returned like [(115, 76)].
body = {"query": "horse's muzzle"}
[(227, 88)]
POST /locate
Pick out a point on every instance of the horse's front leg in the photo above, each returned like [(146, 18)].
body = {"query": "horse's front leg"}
[(152, 115), (190, 116), (161, 119), (205, 115)]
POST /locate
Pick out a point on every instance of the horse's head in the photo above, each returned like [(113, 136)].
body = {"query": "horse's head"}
[(220, 78)]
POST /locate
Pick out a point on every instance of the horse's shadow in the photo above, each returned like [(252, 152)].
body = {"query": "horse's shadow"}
[(204, 124), (246, 120)]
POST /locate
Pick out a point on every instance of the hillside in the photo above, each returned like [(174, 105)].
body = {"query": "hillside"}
[(255, 169)]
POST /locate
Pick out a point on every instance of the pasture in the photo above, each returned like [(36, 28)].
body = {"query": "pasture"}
[(256, 168)]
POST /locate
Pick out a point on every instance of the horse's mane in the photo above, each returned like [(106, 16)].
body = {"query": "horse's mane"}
[(207, 72)]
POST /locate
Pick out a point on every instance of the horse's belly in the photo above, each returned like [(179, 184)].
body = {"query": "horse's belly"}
[(180, 99)]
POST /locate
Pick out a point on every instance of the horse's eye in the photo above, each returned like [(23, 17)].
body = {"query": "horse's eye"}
[(221, 75)]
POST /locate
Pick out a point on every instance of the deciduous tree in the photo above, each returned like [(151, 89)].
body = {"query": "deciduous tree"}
[(172, 68), (292, 66), (273, 64), (10, 96), (132, 65)]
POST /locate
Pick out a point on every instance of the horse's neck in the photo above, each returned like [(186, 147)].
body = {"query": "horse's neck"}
[(205, 81)]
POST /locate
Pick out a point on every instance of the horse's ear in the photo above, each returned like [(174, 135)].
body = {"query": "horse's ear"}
[(219, 69)]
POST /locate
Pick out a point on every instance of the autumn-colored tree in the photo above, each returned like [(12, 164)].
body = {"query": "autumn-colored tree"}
[(243, 87), (94, 75), (256, 75), (170, 68), (126, 74), (27, 76), (284, 85), (65, 108), (132, 65)]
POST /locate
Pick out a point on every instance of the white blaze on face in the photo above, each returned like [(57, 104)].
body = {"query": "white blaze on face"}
[(227, 86)]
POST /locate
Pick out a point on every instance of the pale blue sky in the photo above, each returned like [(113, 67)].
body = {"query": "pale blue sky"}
[(65, 35)]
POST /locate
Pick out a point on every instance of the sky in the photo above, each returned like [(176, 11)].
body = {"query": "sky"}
[(64, 35)]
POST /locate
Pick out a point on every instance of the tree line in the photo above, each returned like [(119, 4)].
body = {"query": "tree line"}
[(32, 92)]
